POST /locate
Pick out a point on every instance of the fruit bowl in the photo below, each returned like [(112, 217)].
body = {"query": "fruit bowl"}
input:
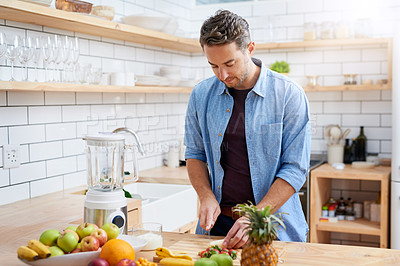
[(75, 259)]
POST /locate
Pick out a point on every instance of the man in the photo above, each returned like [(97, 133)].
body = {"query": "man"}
[(247, 136)]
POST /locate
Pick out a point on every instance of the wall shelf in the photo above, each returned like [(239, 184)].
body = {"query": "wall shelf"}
[(45, 16), (65, 87), (359, 226), (349, 88)]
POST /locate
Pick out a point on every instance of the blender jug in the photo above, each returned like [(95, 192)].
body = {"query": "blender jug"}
[(105, 200)]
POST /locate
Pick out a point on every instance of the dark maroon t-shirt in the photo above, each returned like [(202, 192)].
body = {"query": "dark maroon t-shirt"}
[(236, 186)]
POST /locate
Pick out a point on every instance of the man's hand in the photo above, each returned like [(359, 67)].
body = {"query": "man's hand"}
[(209, 212), (237, 236)]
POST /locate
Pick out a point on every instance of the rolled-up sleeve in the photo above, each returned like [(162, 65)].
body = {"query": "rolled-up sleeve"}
[(296, 139), (193, 135)]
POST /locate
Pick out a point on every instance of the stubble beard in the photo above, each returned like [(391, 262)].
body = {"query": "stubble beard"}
[(243, 77)]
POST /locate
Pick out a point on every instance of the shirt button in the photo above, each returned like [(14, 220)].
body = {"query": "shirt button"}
[(217, 162), (228, 110), (220, 134), (219, 187)]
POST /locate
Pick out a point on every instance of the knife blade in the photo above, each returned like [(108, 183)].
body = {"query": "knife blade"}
[(209, 236)]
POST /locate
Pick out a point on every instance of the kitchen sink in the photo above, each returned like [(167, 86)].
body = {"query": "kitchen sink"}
[(171, 205)]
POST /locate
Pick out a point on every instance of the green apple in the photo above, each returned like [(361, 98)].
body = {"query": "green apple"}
[(111, 229), (85, 229), (49, 237), (205, 262), (56, 251), (67, 242), (222, 259), (71, 227), (72, 231)]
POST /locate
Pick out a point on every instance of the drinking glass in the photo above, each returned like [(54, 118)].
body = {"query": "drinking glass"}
[(36, 55), (57, 57), (3, 44), (25, 56), (12, 53), (65, 55), (48, 54), (75, 56)]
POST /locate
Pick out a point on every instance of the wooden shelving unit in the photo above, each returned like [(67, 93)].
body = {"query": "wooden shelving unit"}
[(45, 16), (321, 179), (65, 87)]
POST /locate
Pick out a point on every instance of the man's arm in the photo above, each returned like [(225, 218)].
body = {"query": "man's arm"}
[(209, 207)]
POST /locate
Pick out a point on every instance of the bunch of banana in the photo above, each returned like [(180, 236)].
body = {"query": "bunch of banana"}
[(176, 262), (166, 253), (35, 250)]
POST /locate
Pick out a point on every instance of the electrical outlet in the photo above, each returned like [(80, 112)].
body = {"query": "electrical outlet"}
[(11, 156)]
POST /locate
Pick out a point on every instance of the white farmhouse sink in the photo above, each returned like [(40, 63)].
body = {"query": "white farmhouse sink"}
[(171, 205)]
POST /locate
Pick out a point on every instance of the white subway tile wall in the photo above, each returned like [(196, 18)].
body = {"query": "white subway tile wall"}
[(51, 125)]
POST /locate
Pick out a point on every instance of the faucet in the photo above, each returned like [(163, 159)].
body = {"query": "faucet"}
[(141, 150)]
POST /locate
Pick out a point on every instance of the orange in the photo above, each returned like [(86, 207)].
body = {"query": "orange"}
[(115, 250)]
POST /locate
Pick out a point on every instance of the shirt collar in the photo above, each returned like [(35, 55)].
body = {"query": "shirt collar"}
[(258, 87)]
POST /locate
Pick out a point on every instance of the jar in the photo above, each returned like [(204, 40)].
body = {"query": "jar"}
[(342, 30), (331, 211), (312, 81), (363, 28), (327, 28), (358, 209), (350, 79), (310, 31), (325, 212)]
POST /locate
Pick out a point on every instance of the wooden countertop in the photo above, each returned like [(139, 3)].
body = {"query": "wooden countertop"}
[(165, 175), (27, 219)]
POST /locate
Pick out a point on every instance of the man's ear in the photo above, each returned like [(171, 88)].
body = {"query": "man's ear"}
[(251, 48)]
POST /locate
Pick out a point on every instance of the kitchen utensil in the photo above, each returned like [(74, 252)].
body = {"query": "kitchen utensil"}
[(335, 133), (344, 135), (105, 200), (74, 6), (327, 133)]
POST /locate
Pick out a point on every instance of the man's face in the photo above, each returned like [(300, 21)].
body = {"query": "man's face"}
[(229, 63)]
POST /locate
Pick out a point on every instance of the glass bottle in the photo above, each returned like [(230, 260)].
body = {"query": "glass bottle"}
[(347, 152), (361, 146), (353, 150)]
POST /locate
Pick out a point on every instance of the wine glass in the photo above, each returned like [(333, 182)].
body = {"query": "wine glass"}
[(65, 54), (36, 55), (25, 55), (57, 57), (75, 56), (3, 44), (48, 54), (12, 53)]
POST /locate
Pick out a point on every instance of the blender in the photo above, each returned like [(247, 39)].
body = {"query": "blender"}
[(105, 200)]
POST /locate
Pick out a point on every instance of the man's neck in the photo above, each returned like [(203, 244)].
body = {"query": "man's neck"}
[(254, 73)]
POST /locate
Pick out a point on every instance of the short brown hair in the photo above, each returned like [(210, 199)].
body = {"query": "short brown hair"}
[(223, 28)]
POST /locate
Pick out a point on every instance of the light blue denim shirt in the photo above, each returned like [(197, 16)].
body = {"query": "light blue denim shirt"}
[(277, 136)]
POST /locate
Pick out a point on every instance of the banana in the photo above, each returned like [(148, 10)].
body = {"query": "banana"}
[(27, 254), (176, 262), (40, 248), (162, 252)]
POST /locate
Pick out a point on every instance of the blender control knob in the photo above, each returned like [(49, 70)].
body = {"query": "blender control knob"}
[(119, 221)]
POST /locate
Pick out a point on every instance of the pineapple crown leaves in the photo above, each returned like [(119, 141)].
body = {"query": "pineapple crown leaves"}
[(262, 226)]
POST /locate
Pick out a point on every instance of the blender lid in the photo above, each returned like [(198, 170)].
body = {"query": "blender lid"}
[(104, 136)]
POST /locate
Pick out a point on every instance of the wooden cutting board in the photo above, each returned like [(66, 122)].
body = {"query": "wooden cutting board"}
[(193, 247)]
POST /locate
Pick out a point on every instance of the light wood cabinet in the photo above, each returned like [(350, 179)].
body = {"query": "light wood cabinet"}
[(321, 179), (134, 212)]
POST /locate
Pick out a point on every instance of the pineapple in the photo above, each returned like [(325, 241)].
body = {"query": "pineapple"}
[(262, 229)]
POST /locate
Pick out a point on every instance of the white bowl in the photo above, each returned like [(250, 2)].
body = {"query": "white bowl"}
[(75, 259), (164, 24)]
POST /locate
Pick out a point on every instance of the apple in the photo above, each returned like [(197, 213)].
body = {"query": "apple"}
[(111, 229), (56, 251), (222, 259), (101, 235), (49, 237), (72, 231), (98, 262), (90, 243), (67, 242), (85, 229), (71, 227), (76, 250), (126, 262)]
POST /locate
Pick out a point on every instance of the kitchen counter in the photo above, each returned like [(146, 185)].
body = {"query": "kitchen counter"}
[(165, 175), (27, 219)]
